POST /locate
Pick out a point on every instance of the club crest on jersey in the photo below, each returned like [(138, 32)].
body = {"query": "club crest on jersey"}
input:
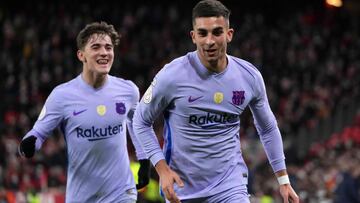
[(120, 108), (238, 97), (101, 110), (148, 94), (218, 97)]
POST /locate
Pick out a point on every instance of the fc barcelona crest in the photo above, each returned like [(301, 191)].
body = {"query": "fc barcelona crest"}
[(238, 97), (120, 108)]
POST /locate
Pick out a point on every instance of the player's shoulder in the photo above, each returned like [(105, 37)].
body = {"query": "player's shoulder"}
[(68, 86), (122, 83), (63, 91), (179, 61), (174, 67), (245, 67), (123, 86)]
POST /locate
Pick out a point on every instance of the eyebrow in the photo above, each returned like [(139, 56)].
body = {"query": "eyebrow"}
[(205, 30), (99, 44), (218, 29)]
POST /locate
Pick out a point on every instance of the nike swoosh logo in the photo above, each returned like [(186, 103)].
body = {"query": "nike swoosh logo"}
[(75, 113), (191, 99)]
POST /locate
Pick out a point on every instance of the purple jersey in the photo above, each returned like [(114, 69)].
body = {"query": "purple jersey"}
[(202, 120), (93, 122)]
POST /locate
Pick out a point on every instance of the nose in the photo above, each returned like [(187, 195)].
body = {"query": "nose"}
[(209, 40), (103, 51)]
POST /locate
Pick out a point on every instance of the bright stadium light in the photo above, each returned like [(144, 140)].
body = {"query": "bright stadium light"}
[(335, 3)]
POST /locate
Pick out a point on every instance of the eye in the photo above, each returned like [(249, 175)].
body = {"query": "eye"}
[(218, 32), (202, 33), (109, 47)]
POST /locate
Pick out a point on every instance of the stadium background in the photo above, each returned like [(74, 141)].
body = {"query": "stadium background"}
[(307, 51)]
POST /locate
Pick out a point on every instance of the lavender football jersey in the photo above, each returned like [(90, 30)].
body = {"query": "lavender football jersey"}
[(201, 112), (94, 123)]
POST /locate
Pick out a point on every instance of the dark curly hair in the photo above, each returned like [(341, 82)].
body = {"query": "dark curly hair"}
[(97, 28)]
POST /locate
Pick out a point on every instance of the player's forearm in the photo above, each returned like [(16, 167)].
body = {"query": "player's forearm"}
[(270, 136), (281, 173), (273, 147), (147, 138), (148, 142), (140, 154)]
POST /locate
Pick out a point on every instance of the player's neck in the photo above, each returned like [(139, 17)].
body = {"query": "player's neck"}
[(93, 79), (217, 66)]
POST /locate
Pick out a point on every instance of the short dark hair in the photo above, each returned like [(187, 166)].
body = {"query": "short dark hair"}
[(97, 28), (210, 8)]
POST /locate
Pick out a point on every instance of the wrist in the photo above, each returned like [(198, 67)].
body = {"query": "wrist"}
[(284, 179), (161, 167)]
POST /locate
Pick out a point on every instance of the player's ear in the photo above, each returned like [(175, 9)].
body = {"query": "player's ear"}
[(192, 34), (229, 35), (81, 56)]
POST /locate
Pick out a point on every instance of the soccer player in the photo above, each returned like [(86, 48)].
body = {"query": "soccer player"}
[(93, 111), (202, 96)]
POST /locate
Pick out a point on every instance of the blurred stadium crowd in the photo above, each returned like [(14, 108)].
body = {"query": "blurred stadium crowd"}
[(309, 57)]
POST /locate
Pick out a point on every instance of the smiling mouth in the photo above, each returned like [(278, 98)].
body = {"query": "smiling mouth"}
[(103, 61)]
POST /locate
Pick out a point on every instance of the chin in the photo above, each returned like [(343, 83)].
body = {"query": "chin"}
[(103, 70)]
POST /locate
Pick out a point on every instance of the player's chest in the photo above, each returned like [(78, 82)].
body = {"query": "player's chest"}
[(225, 96), (97, 110)]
